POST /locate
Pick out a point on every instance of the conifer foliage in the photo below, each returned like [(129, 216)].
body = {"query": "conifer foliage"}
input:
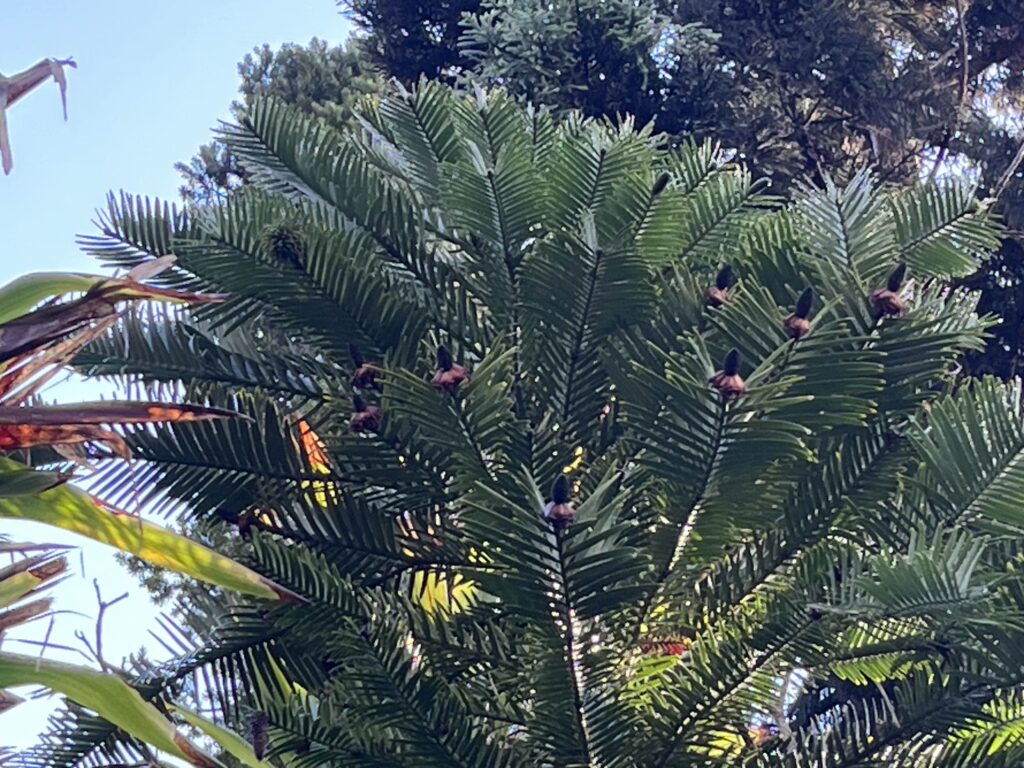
[(581, 452)]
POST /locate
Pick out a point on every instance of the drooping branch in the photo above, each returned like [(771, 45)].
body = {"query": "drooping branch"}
[(14, 87)]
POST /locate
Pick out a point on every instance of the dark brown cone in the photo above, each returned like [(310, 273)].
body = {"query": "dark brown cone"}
[(717, 296), (365, 377), (797, 327), (887, 302), (449, 380)]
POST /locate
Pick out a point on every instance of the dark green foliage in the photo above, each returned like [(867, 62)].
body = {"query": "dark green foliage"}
[(798, 88), (410, 39), (317, 78), (819, 568), (603, 58)]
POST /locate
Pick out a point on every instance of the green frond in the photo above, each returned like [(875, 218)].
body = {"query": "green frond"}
[(942, 231), (158, 347), (972, 444)]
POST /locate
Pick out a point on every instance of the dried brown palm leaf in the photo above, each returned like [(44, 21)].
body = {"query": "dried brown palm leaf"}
[(24, 427), (54, 322)]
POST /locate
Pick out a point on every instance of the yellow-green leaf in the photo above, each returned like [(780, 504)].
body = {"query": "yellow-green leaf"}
[(232, 743), (109, 697), (22, 294), (23, 482), (74, 510), (15, 587), (25, 576)]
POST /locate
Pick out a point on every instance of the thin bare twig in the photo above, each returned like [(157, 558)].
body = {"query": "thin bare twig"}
[(50, 645), (97, 649), (962, 100), (1004, 180), (46, 637)]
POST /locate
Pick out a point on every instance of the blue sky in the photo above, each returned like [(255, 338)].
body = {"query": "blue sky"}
[(153, 79)]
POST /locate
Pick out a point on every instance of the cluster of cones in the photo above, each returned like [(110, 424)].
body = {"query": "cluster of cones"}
[(367, 418), (886, 302)]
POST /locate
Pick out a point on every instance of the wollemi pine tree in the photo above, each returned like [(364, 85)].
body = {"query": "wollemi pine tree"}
[(583, 452)]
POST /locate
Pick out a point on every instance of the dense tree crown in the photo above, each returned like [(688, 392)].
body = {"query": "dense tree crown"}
[(581, 450)]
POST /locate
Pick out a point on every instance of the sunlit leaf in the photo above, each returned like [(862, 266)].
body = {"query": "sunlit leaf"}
[(230, 741), (74, 510), (108, 696)]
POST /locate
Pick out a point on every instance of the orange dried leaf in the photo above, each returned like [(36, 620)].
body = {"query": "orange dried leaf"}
[(14, 437), (52, 322), (49, 324), (24, 613), (314, 449)]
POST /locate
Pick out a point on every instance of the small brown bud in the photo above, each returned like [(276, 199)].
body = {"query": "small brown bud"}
[(258, 734), (728, 380), (797, 327), (718, 294), (887, 301), (365, 418), (560, 511), (245, 522), (449, 375), (365, 377), (449, 381), (559, 515)]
